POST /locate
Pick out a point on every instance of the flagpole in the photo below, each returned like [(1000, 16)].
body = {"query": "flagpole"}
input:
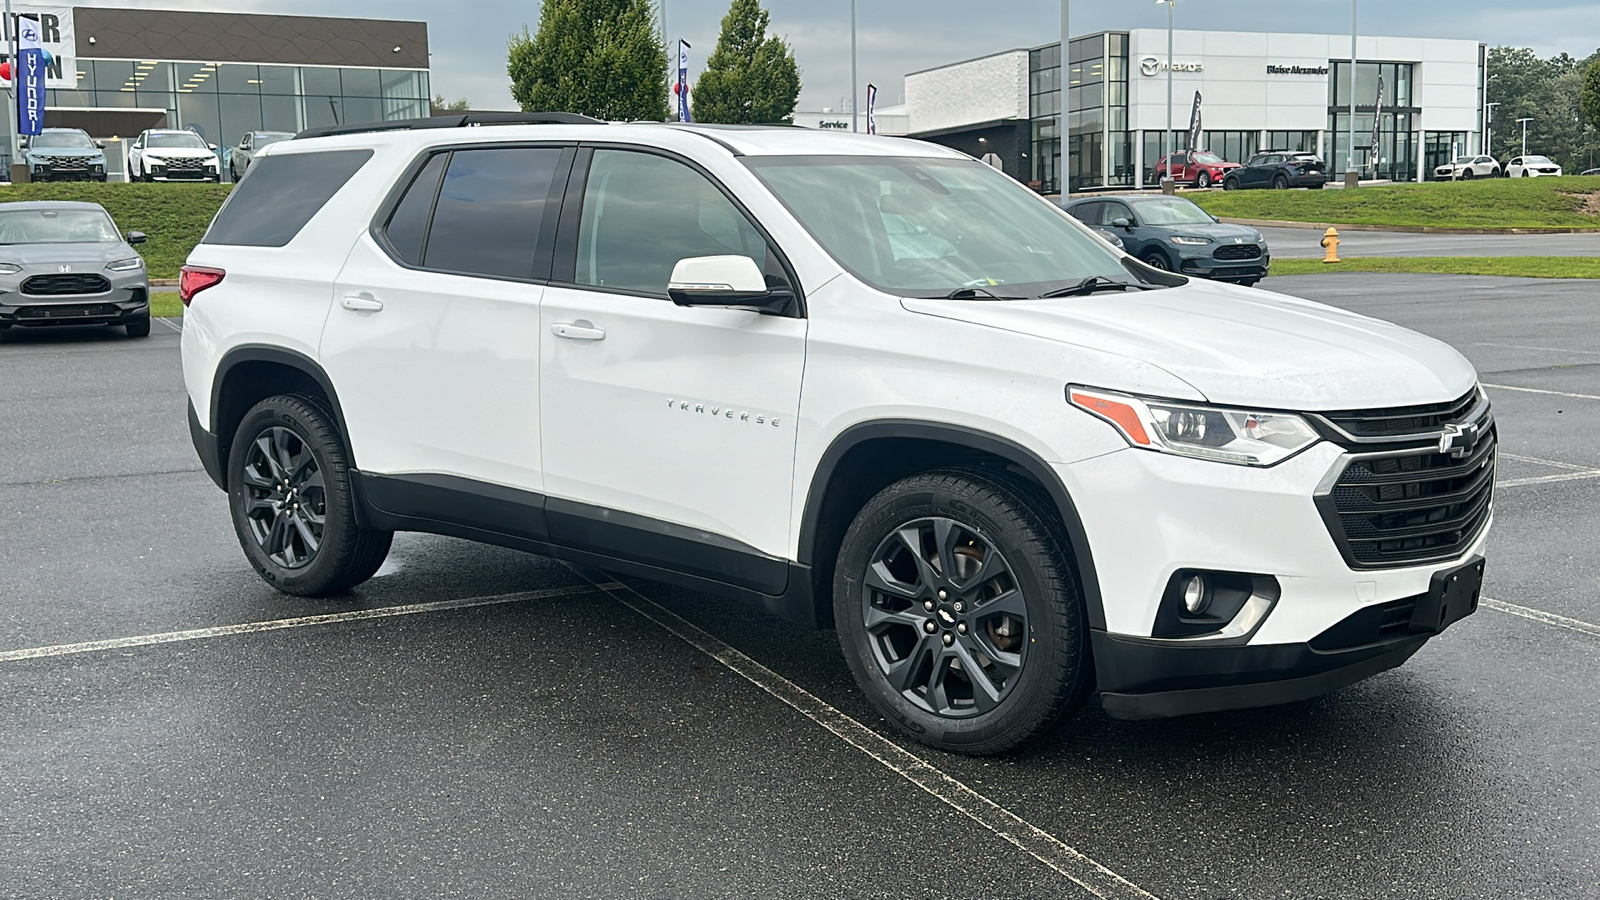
[(1350, 156), (854, 83), (11, 92)]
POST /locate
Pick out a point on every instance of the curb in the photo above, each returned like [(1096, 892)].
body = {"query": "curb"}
[(1405, 229), (163, 282)]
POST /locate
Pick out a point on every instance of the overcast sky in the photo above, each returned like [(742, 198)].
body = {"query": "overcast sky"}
[(898, 36)]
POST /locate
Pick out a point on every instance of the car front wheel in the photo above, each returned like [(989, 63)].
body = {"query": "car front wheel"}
[(1156, 260), (959, 612), (1466, 174), (1204, 181), (290, 495), (139, 327)]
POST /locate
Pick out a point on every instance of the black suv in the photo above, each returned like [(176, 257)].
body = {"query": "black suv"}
[(1281, 169)]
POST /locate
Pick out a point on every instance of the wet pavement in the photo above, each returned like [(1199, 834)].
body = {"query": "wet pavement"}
[(569, 740)]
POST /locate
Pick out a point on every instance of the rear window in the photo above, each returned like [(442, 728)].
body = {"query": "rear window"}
[(280, 194)]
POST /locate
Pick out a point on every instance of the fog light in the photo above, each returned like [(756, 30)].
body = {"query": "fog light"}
[(1194, 594)]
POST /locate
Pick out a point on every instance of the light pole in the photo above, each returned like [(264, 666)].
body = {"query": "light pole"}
[(1350, 148), (1488, 128), (11, 93), (1061, 111), (1524, 123), (853, 82), (1167, 135)]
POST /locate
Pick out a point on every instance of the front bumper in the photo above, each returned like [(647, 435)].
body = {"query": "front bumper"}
[(167, 173), (1204, 265), (117, 306), (1148, 515)]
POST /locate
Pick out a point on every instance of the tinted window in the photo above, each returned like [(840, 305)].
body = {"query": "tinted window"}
[(408, 226), (642, 213), (1087, 212), (1114, 211), (490, 210), (280, 194)]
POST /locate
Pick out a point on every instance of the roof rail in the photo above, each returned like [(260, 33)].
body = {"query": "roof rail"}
[(462, 120)]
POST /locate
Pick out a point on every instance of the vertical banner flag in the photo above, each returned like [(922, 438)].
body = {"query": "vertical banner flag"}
[(29, 77), (1194, 125), (1377, 117), (681, 87), (872, 101)]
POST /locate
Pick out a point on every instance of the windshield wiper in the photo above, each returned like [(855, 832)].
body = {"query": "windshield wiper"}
[(1095, 283), (977, 293)]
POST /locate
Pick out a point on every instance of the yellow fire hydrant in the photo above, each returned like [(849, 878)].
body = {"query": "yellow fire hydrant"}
[(1330, 241)]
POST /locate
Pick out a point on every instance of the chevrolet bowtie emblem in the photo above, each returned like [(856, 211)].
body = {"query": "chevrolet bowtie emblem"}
[(1456, 441)]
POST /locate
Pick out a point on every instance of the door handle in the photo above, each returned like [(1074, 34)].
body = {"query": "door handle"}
[(362, 303), (581, 330)]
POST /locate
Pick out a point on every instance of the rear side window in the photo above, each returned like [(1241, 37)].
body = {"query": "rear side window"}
[(408, 226), (491, 209), (279, 196)]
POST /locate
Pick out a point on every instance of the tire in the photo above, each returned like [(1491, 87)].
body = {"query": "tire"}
[(1033, 652), (1203, 181), (1494, 172), (1156, 260), (1280, 183), (1230, 184), (138, 328), (292, 440), (1466, 175), (1524, 173)]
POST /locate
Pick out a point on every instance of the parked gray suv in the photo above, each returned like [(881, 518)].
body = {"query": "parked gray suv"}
[(64, 154), (64, 263)]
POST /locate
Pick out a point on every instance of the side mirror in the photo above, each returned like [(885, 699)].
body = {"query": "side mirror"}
[(136, 237), (1122, 222), (1217, 220), (213, 147), (727, 281), (99, 145)]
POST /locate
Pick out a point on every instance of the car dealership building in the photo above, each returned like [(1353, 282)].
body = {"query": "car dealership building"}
[(120, 71), (1258, 91)]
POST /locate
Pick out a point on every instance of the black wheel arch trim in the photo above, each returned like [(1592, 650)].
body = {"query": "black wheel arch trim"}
[(973, 439), (248, 353)]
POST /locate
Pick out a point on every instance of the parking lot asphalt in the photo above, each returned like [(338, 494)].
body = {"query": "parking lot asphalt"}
[(543, 731), (1305, 243)]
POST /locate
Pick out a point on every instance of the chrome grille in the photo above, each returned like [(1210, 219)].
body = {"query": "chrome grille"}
[(1400, 421)]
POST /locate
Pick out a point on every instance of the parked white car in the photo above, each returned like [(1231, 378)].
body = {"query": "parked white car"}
[(1532, 167), (861, 382), (163, 154), (1468, 167)]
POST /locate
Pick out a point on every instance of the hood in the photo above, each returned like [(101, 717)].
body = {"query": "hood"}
[(1239, 346), (97, 253), (1221, 232), (179, 153)]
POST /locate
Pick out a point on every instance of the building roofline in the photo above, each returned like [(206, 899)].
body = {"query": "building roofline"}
[(973, 59), (974, 126)]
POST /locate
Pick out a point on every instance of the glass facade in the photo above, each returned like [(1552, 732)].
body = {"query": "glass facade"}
[(1394, 113), (1296, 141), (1044, 113), (222, 101), (1099, 145)]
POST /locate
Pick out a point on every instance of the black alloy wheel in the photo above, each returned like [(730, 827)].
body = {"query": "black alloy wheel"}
[(1157, 260), (1280, 182), (1466, 175), (1230, 184), (958, 611), (293, 508)]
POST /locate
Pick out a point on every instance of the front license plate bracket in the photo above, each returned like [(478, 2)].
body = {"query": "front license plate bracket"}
[(1452, 596)]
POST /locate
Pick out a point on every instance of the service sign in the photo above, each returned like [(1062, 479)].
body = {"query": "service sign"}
[(55, 35)]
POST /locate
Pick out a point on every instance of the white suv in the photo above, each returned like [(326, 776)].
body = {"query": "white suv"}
[(859, 381)]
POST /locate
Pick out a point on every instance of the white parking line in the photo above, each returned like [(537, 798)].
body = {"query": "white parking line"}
[(198, 634), (1036, 842), (1507, 387), (1539, 615), (1546, 479), (1547, 349), (1552, 463), (175, 323)]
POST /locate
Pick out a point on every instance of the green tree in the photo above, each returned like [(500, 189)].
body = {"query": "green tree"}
[(440, 105), (750, 78), (1590, 98), (1550, 93), (600, 58)]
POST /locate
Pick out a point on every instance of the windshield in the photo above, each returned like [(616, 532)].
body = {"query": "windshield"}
[(56, 226), (1171, 211), (74, 139), (1463, 159), (1536, 161), (929, 227), (264, 138), (185, 139), (1208, 158)]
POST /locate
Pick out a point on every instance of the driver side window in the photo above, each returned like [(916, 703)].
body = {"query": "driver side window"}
[(642, 213)]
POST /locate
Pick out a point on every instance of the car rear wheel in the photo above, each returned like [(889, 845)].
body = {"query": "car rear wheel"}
[(290, 496), (1280, 183), (139, 327), (959, 612), (1203, 181)]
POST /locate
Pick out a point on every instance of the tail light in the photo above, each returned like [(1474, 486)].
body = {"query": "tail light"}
[(195, 279)]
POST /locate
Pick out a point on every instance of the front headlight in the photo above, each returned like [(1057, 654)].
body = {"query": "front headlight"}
[(1239, 436), (154, 161), (125, 265), (1190, 241), (9, 269)]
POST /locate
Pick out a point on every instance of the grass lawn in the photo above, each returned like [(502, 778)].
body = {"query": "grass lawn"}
[(1568, 202), (175, 216), (1510, 266), (165, 305)]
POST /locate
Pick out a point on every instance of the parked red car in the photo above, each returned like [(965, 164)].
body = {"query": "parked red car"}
[(1202, 168)]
